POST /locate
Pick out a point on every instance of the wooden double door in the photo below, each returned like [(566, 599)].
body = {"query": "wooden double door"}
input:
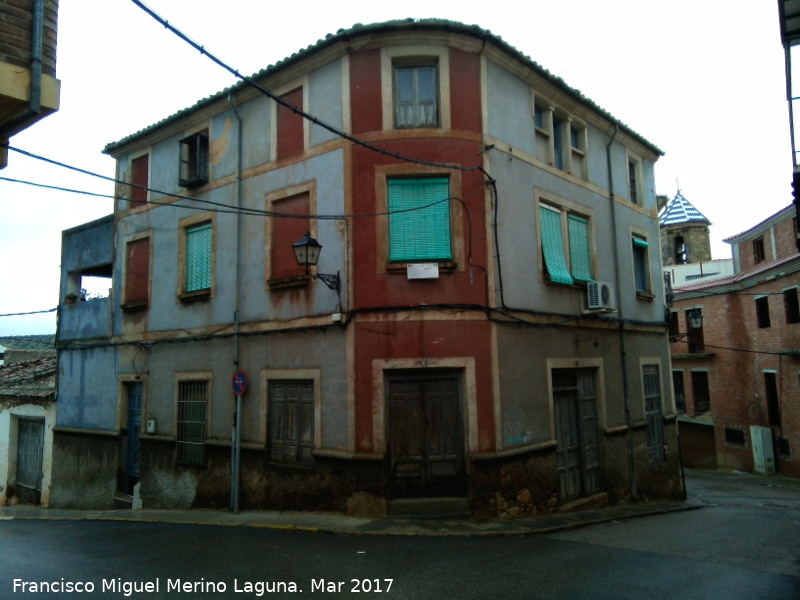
[(578, 450), (426, 439)]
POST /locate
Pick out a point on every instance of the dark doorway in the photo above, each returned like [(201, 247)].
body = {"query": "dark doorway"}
[(133, 445), (30, 459), (426, 449), (577, 453)]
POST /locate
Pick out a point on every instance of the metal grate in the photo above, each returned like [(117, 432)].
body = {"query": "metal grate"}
[(29, 454), (192, 401), (653, 412)]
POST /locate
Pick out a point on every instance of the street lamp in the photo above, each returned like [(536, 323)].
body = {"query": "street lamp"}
[(695, 319), (306, 252)]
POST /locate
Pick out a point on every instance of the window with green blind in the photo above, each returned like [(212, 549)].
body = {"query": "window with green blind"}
[(199, 240), (570, 262), (579, 256), (419, 220)]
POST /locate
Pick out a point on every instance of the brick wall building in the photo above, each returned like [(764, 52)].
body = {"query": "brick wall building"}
[(741, 369)]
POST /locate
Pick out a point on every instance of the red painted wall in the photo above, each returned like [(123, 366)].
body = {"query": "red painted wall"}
[(365, 90), (422, 339), (465, 108), (374, 287)]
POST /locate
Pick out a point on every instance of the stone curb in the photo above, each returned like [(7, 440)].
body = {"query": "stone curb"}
[(315, 523)]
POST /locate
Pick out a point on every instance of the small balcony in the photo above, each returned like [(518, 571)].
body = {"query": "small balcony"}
[(86, 262)]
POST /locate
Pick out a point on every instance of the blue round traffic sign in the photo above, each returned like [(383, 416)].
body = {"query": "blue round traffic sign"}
[(239, 383)]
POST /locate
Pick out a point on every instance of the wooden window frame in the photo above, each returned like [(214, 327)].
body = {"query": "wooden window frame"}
[(132, 301), (185, 225), (194, 160), (140, 178)]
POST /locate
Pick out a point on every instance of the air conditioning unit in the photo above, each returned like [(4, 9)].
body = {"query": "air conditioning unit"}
[(600, 296)]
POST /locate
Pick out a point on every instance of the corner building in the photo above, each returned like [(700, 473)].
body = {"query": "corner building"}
[(497, 334)]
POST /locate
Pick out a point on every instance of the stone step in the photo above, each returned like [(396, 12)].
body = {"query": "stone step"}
[(438, 508), (123, 501)]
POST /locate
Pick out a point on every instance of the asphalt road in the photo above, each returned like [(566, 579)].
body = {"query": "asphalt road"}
[(744, 545)]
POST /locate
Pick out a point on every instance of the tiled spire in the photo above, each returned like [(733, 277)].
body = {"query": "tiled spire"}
[(680, 210)]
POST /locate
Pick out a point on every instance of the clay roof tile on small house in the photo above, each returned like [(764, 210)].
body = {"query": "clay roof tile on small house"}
[(343, 35)]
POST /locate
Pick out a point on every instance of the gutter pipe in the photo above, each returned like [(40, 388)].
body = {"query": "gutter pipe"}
[(236, 434), (622, 351), (35, 90)]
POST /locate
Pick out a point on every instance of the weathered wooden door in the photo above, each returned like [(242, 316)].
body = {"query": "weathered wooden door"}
[(30, 459), (426, 450), (577, 453)]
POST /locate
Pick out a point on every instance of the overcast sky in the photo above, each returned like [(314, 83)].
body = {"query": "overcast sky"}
[(701, 79)]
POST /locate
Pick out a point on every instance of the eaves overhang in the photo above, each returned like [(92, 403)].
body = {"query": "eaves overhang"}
[(396, 26)]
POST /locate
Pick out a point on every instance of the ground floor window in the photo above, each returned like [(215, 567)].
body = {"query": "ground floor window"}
[(653, 413), (291, 421), (191, 435)]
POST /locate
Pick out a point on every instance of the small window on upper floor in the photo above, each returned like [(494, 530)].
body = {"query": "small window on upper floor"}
[(558, 142), (197, 264), (291, 125), (136, 293), (194, 160), (560, 139), (762, 312), (577, 152), (416, 95), (634, 193), (758, 250), (641, 271), (140, 178), (792, 306)]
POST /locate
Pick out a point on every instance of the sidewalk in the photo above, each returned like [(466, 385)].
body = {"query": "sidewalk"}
[(342, 524)]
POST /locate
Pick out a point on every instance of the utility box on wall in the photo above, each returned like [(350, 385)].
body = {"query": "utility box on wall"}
[(763, 453)]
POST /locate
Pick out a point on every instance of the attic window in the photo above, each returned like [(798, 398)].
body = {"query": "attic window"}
[(758, 250), (194, 160)]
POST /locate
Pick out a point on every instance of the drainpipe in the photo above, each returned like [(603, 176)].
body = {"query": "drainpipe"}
[(35, 90), (622, 351), (236, 434)]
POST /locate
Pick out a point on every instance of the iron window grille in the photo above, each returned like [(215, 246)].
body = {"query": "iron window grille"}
[(653, 413), (191, 438)]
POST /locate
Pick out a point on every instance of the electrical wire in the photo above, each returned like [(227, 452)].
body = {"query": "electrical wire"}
[(219, 207), (32, 312), (335, 130), (57, 188)]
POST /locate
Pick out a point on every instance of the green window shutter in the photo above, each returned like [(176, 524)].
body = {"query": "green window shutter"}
[(553, 246), (579, 256), (198, 257), (640, 243), (419, 234)]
